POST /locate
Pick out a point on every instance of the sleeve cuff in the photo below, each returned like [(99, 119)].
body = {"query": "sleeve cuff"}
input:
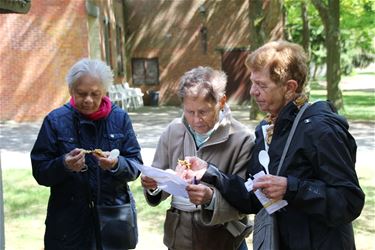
[(210, 176), (211, 205), (115, 169), (64, 164), (292, 188)]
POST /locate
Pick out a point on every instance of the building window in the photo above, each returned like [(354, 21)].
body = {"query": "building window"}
[(145, 71), (119, 51), (204, 39), (107, 41)]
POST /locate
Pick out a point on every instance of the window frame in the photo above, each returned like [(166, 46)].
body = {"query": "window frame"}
[(144, 79)]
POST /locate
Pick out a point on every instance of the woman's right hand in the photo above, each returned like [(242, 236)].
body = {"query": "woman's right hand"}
[(75, 160), (148, 183)]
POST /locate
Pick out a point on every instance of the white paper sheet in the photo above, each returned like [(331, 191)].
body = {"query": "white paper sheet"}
[(271, 206), (168, 181)]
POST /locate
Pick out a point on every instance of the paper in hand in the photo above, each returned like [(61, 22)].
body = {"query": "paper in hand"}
[(168, 181), (271, 206)]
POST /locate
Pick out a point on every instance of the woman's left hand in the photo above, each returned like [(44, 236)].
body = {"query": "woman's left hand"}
[(272, 186), (106, 163), (199, 194)]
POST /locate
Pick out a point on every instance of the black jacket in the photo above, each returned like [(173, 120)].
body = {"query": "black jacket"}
[(69, 222), (323, 192)]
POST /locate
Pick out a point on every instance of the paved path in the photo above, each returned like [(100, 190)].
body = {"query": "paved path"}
[(17, 139)]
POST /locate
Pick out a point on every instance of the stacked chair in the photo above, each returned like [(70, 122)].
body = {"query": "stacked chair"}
[(124, 96)]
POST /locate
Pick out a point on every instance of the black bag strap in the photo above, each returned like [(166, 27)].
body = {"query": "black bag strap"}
[(290, 136)]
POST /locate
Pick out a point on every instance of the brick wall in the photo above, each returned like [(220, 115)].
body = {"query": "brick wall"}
[(36, 51), (171, 31)]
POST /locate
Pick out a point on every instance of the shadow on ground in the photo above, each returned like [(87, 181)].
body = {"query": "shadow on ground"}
[(149, 123)]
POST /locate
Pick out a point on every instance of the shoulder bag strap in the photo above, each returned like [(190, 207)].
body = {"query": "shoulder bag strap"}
[(290, 136)]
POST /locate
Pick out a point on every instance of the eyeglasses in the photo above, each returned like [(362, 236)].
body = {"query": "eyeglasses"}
[(201, 114)]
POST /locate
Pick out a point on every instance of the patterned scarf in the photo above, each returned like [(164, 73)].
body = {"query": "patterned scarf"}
[(299, 101)]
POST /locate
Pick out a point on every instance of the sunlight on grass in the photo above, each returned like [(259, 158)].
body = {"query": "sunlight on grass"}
[(153, 215), (358, 105), (25, 209)]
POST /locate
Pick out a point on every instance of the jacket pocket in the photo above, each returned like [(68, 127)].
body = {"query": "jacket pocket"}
[(170, 225), (67, 144), (114, 140)]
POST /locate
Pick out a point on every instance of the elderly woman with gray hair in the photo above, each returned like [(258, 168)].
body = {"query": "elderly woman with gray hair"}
[(71, 157), (206, 130)]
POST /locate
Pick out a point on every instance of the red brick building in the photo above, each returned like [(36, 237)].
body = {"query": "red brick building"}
[(148, 43), (164, 39), (36, 51)]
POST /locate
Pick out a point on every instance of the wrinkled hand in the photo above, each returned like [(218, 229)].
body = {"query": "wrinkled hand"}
[(148, 183), (106, 163), (75, 160), (198, 168), (199, 194), (273, 187)]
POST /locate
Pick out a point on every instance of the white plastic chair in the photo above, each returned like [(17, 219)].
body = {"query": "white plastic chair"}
[(116, 96), (124, 96), (139, 94)]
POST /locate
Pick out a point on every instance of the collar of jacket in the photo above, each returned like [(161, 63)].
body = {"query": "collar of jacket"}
[(222, 132), (286, 117), (82, 119)]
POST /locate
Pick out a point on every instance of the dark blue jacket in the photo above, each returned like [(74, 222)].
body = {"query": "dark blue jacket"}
[(69, 223), (323, 192)]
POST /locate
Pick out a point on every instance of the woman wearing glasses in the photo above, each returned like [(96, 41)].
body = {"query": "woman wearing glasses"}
[(207, 130)]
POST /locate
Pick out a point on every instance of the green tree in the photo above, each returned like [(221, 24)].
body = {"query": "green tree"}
[(266, 24), (329, 12), (357, 30), (357, 24), (304, 16)]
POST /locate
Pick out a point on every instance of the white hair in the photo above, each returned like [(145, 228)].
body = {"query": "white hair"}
[(92, 67), (203, 81)]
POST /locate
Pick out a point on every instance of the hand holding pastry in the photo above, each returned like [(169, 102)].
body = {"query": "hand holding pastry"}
[(191, 167), (106, 160), (75, 160)]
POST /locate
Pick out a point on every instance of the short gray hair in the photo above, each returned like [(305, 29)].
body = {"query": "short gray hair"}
[(92, 67), (203, 81)]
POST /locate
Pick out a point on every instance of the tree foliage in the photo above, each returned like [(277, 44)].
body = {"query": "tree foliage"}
[(357, 28), (266, 24), (329, 12)]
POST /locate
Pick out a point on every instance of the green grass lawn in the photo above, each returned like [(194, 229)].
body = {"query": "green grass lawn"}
[(25, 204), (25, 208), (358, 105)]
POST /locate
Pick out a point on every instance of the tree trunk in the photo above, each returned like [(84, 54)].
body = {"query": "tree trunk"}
[(257, 39), (333, 55), (330, 15), (305, 28), (266, 24), (306, 40)]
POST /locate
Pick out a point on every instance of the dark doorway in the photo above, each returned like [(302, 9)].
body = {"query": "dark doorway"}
[(233, 64)]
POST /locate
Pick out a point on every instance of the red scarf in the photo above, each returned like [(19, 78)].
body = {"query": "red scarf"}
[(103, 111)]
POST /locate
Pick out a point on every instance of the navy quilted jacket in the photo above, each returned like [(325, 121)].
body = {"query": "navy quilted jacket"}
[(69, 222)]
